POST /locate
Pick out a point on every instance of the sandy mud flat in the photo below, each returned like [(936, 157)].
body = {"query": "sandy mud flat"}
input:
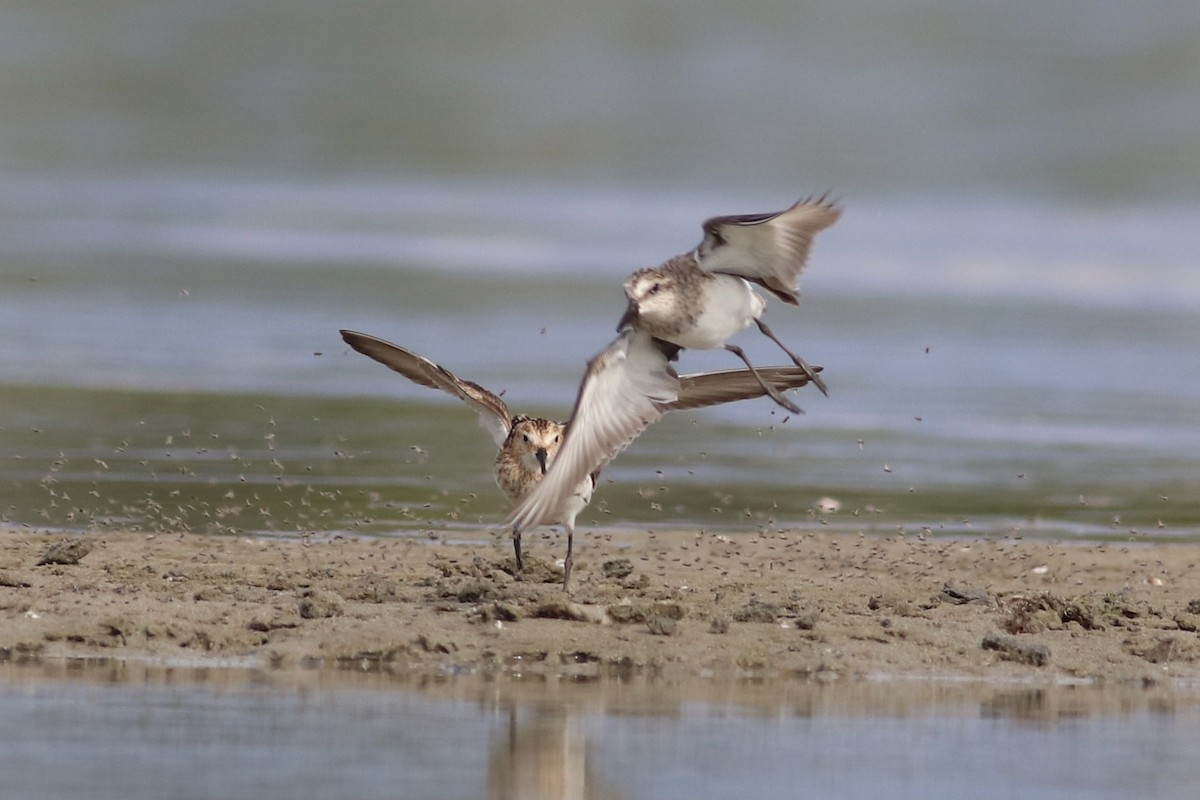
[(826, 607)]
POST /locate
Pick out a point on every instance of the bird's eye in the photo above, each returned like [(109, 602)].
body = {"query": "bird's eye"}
[(525, 437), (654, 287), (557, 437)]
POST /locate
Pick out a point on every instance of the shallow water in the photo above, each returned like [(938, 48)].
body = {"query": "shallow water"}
[(212, 732), (235, 406)]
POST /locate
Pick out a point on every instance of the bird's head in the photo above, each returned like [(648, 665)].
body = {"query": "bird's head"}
[(536, 441), (652, 295)]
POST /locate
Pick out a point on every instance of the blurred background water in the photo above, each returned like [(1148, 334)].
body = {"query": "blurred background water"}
[(195, 197)]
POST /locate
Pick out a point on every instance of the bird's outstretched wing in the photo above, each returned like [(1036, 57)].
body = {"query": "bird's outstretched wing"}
[(714, 388), (627, 386), (493, 412), (767, 249)]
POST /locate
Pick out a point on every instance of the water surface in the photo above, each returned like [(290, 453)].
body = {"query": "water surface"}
[(209, 732)]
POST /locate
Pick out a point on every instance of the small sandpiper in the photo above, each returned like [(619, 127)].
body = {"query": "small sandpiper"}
[(529, 446), (700, 299)]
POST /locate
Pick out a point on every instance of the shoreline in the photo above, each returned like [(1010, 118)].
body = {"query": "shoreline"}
[(779, 607)]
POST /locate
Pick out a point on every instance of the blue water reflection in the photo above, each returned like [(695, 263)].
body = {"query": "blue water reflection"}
[(240, 736)]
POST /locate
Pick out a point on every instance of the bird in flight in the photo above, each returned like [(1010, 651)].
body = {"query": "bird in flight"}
[(702, 298)]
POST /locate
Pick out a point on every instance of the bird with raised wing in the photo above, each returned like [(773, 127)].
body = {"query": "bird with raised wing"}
[(695, 300), (529, 446), (700, 299)]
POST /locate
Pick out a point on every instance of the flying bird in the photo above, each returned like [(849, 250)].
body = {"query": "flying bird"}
[(700, 299)]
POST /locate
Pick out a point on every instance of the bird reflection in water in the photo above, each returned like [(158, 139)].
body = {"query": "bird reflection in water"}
[(544, 755)]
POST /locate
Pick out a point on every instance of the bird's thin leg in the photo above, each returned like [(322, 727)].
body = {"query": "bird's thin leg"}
[(516, 537), (797, 360), (771, 391), (568, 562)]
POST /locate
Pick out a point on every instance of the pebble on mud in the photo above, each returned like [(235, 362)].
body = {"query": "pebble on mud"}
[(626, 613), (805, 621), (318, 605), (616, 569), (757, 611), (1187, 621), (1162, 649), (13, 581), (434, 645), (564, 609), (68, 551), (1012, 648), (961, 595)]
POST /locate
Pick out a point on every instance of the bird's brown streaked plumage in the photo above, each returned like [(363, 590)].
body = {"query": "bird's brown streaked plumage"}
[(519, 466), (527, 446), (526, 454)]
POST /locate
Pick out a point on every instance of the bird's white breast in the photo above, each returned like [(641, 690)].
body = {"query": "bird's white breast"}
[(729, 306)]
